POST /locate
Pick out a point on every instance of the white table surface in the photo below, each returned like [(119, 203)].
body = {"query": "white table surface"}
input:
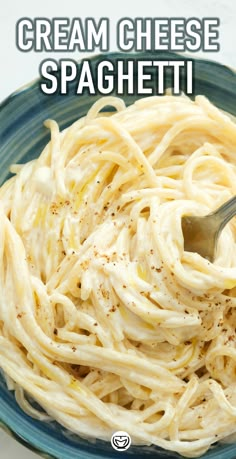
[(18, 68)]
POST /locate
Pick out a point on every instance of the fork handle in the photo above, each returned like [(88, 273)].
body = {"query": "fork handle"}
[(225, 212)]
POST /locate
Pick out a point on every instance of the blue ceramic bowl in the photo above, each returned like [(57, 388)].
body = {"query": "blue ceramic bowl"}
[(22, 137)]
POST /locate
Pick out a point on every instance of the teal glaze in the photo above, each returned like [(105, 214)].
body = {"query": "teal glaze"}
[(22, 137)]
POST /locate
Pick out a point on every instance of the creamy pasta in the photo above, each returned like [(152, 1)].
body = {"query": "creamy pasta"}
[(105, 320)]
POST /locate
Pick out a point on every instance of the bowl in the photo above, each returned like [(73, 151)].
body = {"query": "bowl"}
[(22, 137)]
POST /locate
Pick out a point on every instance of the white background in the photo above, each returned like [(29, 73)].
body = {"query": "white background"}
[(19, 68)]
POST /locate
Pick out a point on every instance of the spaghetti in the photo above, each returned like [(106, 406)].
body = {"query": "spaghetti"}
[(105, 320)]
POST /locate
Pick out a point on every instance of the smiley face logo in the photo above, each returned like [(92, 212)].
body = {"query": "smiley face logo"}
[(120, 441)]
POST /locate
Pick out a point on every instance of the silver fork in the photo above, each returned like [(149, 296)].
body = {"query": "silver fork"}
[(201, 234)]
